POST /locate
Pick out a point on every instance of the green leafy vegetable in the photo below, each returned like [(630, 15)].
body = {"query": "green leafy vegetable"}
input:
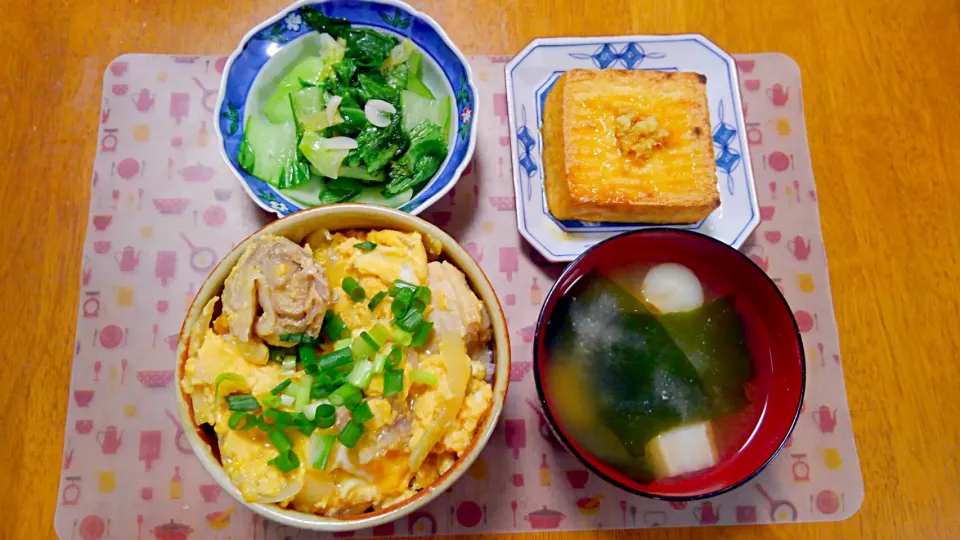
[(323, 24), (367, 47), (377, 147), (427, 151), (365, 246), (375, 86)]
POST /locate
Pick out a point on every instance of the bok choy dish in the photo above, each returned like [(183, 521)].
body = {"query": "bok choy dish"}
[(350, 119)]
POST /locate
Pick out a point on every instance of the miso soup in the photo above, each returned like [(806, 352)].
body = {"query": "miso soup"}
[(651, 372)]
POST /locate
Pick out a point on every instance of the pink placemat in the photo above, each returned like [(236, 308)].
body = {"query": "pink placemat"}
[(165, 208)]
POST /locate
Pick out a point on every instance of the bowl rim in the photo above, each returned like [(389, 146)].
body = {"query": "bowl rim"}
[(500, 344), (554, 424), (469, 81)]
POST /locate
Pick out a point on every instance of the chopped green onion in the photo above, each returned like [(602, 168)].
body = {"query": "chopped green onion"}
[(321, 387), (289, 363), (365, 246), (362, 349), (242, 402), (371, 341), (423, 294), (324, 447), (242, 421), (277, 355), (292, 389), (312, 369), (361, 374), (325, 410), (310, 411), (417, 305), (362, 413), (353, 289), (392, 382), (281, 387), (307, 354), (421, 335), (380, 333), (400, 285), (337, 358), (280, 441), (351, 433), (424, 377), (271, 400), (347, 395), (286, 462), (287, 401), (342, 344), (334, 327), (324, 422), (277, 418), (379, 362), (411, 322), (402, 337), (303, 393), (401, 303), (375, 301), (395, 359), (303, 425), (235, 377)]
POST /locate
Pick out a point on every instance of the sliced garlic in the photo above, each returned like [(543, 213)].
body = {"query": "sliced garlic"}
[(333, 109), (339, 143), (379, 112)]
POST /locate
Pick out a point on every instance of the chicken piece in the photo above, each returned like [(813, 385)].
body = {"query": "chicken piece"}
[(287, 285), (455, 308)]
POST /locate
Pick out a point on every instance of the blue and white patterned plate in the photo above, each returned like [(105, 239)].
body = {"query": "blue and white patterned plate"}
[(531, 75), (275, 42)]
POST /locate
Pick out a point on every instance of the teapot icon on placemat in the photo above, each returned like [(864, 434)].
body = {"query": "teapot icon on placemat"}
[(778, 94), (143, 100), (109, 440), (706, 514), (127, 258), (825, 418)]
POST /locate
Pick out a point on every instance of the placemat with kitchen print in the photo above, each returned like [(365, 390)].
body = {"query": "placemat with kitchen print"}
[(165, 208)]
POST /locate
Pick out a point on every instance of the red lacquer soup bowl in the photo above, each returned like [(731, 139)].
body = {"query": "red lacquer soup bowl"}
[(771, 335)]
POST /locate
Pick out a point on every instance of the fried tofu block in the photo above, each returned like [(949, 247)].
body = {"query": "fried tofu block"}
[(629, 146)]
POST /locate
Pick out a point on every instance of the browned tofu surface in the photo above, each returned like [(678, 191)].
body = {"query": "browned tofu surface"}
[(629, 146)]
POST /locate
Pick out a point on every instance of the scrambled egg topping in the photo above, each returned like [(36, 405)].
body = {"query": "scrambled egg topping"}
[(413, 436)]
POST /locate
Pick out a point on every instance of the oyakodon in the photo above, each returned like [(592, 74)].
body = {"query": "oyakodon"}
[(342, 375)]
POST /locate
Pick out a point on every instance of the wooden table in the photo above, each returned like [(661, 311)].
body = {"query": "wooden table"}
[(880, 85)]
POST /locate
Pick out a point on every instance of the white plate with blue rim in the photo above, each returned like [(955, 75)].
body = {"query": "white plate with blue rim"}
[(271, 46), (531, 75)]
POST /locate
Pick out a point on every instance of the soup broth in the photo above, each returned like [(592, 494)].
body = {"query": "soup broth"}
[(650, 371)]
